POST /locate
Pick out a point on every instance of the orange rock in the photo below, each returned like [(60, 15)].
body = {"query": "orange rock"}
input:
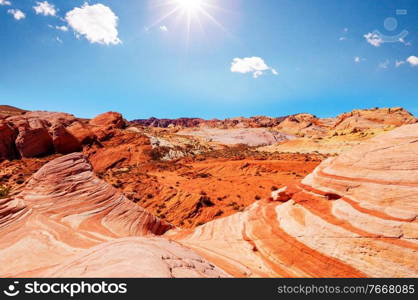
[(77, 225), (32, 142), (281, 195), (7, 138), (64, 142), (109, 120), (82, 132), (354, 216), (125, 148)]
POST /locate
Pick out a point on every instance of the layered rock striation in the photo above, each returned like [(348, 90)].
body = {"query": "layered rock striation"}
[(67, 222), (354, 216)]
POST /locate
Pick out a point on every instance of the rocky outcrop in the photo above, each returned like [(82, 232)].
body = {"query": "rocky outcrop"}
[(64, 142), (247, 136), (109, 120), (67, 190), (82, 132), (379, 175), (239, 122), (336, 135), (149, 257), (39, 133), (123, 149), (32, 142), (7, 138), (374, 118), (354, 216), (77, 225), (8, 110), (301, 125)]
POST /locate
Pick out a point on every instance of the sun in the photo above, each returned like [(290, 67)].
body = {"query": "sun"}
[(191, 6), (192, 14)]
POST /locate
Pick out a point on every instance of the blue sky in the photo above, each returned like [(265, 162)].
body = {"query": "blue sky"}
[(141, 67)]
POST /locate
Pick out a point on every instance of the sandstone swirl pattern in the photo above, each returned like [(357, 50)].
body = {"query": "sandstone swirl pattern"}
[(354, 216), (67, 222)]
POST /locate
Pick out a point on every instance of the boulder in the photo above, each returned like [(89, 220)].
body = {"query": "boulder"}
[(82, 132), (64, 142), (281, 195), (7, 138), (32, 142), (108, 120)]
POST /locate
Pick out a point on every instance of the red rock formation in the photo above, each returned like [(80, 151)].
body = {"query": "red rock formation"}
[(64, 142), (379, 175), (108, 120), (9, 111), (125, 148), (240, 122), (41, 133), (32, 142), (354, 216), (82, 132), (136, 257), (72, 223), (372, 118), (7, 138)]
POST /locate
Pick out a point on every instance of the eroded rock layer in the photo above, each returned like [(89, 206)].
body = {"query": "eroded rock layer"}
[(67, 222), (354, 216)]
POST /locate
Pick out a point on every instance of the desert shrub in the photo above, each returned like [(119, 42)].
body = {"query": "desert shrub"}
[(203, 175), (257, 197), (219, 213), (4, 191), (205, 201)]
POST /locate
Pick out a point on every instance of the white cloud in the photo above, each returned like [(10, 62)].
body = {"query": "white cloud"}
[(5, 2), (358, 59), (163, 28), (401, 40), (413, 61), (59, 40), (399, 63), (373, 39), (62, 28), (17, 14), (255, 65), (97, 23), (384, 65), (45, 8), (343, 38)]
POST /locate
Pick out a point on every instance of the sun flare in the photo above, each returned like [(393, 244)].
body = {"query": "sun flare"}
[(190, 6), (192, 15)]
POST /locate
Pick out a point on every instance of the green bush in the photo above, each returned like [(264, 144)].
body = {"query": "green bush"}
[(4, 191)]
